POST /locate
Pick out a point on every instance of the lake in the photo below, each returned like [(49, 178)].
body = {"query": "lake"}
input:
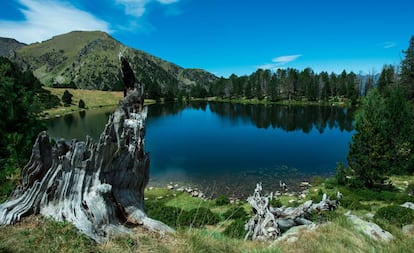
[(228, 148)]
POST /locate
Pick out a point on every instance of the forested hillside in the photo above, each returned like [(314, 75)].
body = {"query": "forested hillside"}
[(22, 98), (89, 60)]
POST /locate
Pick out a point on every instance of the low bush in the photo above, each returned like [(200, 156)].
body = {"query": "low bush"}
[(222, 200), (235, 229), (235, 212), (168, 215), (396, 215), (353, 204), (275, 202)]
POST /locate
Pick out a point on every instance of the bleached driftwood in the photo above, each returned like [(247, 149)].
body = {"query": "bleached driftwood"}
[(268, 223), (99, 187)]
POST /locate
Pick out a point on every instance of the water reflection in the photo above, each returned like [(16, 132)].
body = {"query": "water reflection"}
[(288, 118), (78, 125), (231, 146)]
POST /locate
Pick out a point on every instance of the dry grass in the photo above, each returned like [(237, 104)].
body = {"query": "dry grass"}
[(92, 98)]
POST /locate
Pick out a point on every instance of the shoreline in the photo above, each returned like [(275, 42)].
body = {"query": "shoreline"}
[(238, 191)]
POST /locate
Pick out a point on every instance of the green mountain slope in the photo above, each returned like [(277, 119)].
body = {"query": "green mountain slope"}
[(89, 60)]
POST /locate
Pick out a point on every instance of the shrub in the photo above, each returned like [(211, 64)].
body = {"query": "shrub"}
[(167, 214), (396, 215), (275, 202), (67, 98), (222, 200), (330, 183), (354, 204), (340, 174), (235, 229), (81, 104), (235, 212)]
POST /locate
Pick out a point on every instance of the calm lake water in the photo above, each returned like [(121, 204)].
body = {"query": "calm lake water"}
[(228, 148)]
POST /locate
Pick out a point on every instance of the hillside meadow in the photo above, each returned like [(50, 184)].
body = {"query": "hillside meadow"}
[(92, 98)]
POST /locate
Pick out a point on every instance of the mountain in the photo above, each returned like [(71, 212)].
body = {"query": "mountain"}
[(89, 60), (8, 46)]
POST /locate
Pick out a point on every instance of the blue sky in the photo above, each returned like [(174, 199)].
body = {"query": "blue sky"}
[(225, 37)]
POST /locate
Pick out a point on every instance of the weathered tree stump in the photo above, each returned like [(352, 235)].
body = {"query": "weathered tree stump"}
[(268, 223), (99, 187)]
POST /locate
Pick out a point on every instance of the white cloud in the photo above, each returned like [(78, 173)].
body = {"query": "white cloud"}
[(137, 8), (45, 18), (285, 59), (388, 44), (270, 66), (134, 7), (279, 61)]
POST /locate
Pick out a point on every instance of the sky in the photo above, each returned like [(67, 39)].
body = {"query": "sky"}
[(231, 37)]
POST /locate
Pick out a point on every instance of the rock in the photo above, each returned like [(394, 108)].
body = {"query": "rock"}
[(371, 229), (408, 205), (370, 216), (170, 187), (292, 234), (285, 224), (305, 184), (181, 189), (194, 194), (408, 229)]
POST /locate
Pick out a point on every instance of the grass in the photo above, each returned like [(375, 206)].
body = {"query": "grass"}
[(36, 234), (92, 98)]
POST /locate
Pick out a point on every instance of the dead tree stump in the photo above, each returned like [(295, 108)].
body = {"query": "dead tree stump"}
[(268, 223), (99, 187)]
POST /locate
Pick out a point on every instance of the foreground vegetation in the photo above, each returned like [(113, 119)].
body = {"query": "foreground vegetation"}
[(214, 225)]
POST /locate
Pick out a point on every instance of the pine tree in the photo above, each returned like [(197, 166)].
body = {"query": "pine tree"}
[(367, 157), (81, 104), (399, 128), (67, 98), (407, 70)]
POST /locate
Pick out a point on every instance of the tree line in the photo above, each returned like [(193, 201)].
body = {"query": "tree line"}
[(289, 84)]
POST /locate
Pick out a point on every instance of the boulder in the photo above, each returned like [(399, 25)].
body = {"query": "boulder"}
[(370, 229)]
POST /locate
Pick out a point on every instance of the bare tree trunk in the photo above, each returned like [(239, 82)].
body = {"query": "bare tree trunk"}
[(99, 187), (268, 223)]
